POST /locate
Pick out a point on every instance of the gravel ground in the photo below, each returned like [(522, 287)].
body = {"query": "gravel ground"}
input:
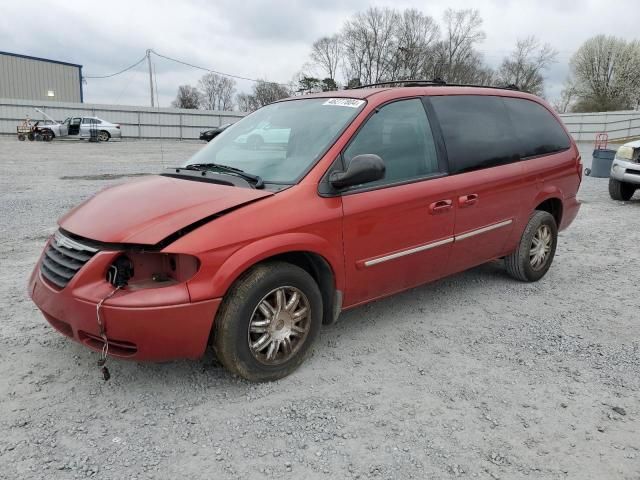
[(475, 376)]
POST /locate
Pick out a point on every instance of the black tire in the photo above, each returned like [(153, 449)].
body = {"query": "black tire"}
[(519, 264), (21, 137), (31, 137), (47, 135), (620, 190), (231, 334)]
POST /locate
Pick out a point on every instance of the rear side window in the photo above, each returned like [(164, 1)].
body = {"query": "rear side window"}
[(477, 131), (401, 135), (539, 133)]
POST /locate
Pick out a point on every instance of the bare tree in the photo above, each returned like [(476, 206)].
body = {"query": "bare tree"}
[(606, 72), (263, 94), (217, 91), (269, 92), (370, 44), (455, 58), (384, 44), (326, 53), (525, 65), (567, 97), (187, 97), (416, 35), (246, 102)]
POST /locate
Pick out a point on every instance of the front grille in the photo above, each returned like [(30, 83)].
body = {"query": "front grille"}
[(63, 258)]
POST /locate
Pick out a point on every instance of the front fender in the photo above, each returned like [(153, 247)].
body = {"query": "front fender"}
[(215, 284)]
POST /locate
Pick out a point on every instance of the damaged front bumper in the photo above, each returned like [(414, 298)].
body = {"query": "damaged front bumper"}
[(154, 324)]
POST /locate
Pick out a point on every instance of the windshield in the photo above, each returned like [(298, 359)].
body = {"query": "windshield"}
[(281, 141)]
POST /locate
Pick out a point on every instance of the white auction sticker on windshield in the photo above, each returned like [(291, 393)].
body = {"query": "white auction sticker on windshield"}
[(344, 102)]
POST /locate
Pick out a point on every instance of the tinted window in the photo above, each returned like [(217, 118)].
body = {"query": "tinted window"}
[(476, 131), (401, 135), (538, 131)]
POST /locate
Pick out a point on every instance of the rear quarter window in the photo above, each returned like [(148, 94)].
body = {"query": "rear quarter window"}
[(538, 131), (477, 131)]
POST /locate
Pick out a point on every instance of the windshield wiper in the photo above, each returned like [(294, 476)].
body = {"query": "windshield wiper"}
[(256, 179)]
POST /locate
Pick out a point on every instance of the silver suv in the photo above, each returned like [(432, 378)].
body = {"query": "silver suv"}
[(624, 178)]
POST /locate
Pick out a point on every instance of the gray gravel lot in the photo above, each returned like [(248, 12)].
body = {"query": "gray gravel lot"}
[(475, 376)]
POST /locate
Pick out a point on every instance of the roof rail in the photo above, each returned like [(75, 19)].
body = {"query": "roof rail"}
[(436, 82)]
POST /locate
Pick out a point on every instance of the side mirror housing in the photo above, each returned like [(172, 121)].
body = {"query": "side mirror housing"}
[(362, 169)]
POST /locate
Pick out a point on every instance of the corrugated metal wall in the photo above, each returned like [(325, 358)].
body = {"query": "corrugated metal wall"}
[(32, 79), (618, 125), (136, 122)]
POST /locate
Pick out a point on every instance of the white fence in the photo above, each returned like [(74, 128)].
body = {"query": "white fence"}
[(146, 122), (136, 122), (618, 125)]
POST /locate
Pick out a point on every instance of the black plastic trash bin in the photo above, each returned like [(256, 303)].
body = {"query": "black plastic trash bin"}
[(601, 163)]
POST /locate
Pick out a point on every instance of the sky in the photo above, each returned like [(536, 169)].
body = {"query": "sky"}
[(267, 39)]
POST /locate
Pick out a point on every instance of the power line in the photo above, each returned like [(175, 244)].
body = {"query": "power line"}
[(214, 71), (118, 73)]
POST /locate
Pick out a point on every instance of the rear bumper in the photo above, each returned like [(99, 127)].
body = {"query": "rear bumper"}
[(154, 333), (570, 211)]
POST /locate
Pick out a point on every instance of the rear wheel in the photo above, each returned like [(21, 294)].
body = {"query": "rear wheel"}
[(21, 137), (31, 137), (103, 136), (620, 190), (537, 247), (268, 321)]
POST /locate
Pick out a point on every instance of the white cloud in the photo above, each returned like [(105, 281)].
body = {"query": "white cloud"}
[(266, 39)]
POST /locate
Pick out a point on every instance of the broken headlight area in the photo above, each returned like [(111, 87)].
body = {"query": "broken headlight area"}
[(138, 270)]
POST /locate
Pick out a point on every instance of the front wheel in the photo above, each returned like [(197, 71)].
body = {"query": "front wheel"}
[(537, 247), (620, 190), (268, 321)]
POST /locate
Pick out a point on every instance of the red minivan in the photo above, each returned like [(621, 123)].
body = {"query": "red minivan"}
[(307, 207)]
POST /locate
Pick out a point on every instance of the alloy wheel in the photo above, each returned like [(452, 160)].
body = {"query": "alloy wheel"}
[(540, 247), (279, 325)]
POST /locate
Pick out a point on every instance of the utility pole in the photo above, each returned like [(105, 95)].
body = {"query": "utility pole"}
[(150, 75)]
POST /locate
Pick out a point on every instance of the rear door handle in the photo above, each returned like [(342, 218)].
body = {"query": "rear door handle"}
[(468, 200), (441, 206)]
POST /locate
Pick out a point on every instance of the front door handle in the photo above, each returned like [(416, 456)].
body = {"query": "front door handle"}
[(441, 206), (468, 200)]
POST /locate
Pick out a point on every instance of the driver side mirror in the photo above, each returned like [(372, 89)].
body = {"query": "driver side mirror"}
[(362, 169)]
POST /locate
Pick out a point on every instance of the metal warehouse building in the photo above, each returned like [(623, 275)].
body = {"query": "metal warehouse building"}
[(32, 78)]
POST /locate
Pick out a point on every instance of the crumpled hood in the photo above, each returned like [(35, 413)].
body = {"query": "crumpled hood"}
[(148, 210)]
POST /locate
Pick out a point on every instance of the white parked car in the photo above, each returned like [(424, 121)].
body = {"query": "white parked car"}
[(81, 126), (624, 179), (264, 134)]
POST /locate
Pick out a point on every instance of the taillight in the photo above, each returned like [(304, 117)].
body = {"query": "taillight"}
[(118, 127)]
